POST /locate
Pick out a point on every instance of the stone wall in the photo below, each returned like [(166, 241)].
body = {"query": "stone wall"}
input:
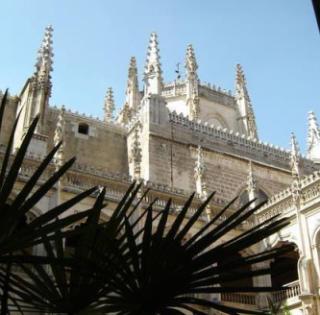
[(172, 156), (216, 106), (10, 115), (103, 148), (172, 163)]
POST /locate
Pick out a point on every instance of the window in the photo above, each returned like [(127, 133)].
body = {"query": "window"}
[(83, 128), (284, 268)]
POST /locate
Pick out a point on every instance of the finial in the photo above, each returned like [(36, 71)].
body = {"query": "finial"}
[(192, 91), (199, 172), (132, 91), (58, 137), (295, 157), (109, 106), (133, 68), (244, 104), (153, 56), (251, 183), (153, 73), (136, 155), (199, 165), (295, 171), (191, 63), (240, 77), (45, 55), (313, 137)]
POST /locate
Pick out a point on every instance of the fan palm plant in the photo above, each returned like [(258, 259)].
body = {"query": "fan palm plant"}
[(161, 274), (72, 287), (151, 271), (16, 234)]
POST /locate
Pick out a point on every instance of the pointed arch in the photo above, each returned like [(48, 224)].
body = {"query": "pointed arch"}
[(244, 197), (217, 120)]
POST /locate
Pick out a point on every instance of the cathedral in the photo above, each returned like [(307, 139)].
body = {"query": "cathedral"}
[(179, 137)]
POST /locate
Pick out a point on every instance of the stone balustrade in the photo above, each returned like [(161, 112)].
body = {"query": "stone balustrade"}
[(238, 298), (292, 291), (282, 202), (174, 88), (178, 87), (216, 94), (240, 142), (228, 135)]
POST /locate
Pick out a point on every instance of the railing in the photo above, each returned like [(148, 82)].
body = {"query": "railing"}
[(238, 298), (293, 290)]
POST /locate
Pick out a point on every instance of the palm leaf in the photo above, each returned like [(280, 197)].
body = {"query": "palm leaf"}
[(14, 233), (164, 268)]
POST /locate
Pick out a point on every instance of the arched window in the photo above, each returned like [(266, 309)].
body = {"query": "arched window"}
[(83, 128), (217, 122)]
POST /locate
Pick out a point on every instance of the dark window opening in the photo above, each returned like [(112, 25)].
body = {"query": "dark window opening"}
[(83, 129), (284, 269), (235, 276)]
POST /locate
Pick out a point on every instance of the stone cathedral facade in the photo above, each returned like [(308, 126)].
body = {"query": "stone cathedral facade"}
[(179, 137)]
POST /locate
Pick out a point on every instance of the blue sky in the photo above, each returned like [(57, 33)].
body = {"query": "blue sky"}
[(276, 41)]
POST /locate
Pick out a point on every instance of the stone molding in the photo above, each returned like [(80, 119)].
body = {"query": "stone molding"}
[(53, 112), (241, 142), (81, 177), (210, 91), (282, 203)]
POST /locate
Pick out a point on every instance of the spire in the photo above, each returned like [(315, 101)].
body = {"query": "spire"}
[(193, 101), (244, 104), (295, 157), (44, 60), (313, 138), (109, 106), (133, 74), (132, 91), (58, 137), (191, 64), (34, 98), (153, 73)]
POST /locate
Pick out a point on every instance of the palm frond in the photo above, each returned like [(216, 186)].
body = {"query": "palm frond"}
[(71, 284), (15, 232), (165, 272)]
